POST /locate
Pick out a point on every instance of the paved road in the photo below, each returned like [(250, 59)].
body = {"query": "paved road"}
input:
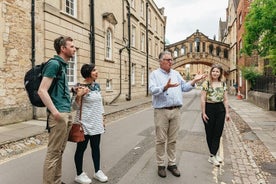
[(128, 154)]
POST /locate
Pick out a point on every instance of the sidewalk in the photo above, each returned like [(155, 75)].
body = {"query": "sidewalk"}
[(15, 132), (261, 122)]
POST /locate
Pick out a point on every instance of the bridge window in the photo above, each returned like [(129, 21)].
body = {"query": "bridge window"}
[(197, 45), (175, 53), (225, 53), (218, 51), (211, 48), (183, 50), (203, 47)]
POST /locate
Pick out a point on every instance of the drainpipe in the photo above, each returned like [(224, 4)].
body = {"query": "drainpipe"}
[(128, 98), (120, 91), (92, 32), (33, 44), (147, 48), (164, 38)]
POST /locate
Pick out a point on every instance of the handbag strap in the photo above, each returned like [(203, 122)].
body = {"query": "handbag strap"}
[(80, 109)]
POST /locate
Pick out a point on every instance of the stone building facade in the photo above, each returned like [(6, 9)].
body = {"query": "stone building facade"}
[(102, 31), (228, 34), (233, 34)]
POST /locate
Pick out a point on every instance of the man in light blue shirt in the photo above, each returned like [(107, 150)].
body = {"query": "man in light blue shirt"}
[(166, 86)]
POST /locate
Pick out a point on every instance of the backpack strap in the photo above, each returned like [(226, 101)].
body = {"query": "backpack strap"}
[(55, 80)]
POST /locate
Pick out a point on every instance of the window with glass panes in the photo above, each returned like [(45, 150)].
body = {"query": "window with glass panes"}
[(133, 36), (108, 44), (142, 9), (142, 42), (142, 75), (71, 7), (72, 71), (133, 65)]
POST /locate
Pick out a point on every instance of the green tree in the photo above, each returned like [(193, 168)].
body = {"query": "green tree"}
[(260, 30), (251, 74)]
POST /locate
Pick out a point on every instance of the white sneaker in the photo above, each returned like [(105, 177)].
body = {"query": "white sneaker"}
[(219, 159), (83, 178), (100, 176), (213, 160)]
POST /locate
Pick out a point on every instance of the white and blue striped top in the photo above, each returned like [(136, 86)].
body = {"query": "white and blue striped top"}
[(92, 112)]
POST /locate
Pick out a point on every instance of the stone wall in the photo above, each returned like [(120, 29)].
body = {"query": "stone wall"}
[(263, 100), (15, 46)]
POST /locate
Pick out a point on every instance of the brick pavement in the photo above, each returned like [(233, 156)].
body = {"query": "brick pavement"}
[(245, 169)]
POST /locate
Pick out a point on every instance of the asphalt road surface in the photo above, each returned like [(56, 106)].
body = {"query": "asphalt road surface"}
[(128, 153)]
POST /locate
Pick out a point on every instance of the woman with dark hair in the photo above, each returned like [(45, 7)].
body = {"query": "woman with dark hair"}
[(88, 93), (214, 106)]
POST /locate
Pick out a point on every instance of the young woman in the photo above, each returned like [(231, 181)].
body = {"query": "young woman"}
[(88, 93), (214, 106)]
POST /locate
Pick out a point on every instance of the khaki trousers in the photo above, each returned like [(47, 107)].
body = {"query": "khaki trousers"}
[(58, 135), (167, 123)]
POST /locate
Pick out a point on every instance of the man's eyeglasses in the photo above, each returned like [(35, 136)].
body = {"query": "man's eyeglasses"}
[(169, 60)]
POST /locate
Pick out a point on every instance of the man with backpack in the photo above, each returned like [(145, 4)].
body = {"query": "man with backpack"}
[(58, 105)]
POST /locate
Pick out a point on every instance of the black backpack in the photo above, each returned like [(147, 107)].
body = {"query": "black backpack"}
[(32, 82)]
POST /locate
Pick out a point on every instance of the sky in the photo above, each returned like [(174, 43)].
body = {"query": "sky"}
[(184, 17)]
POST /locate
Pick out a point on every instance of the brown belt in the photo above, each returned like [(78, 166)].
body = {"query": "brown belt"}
[(171, 108)]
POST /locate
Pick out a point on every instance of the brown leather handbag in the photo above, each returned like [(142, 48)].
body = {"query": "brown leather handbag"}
[(76, 133)]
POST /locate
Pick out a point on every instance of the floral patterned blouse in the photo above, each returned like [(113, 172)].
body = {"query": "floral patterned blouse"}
[(214, 94)]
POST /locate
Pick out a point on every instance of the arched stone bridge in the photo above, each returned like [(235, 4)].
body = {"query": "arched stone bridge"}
[(199, 49)]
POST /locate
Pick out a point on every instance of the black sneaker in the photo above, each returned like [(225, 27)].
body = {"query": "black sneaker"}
[(173, 169), (162, 171)]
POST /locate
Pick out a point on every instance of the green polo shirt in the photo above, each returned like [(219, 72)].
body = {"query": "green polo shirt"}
[(60, 94)]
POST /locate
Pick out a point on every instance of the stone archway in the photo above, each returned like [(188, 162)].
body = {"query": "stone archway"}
[(199, 49)]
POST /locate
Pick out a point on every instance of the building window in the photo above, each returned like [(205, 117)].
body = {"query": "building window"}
[(133, 36), (175, 53), (108, 84), (150, 47), (240, 47), (108, 44), (142, 9), (218, 51), (191, 47), (71, 7), (240, 19), (142, 75), (156, 25), (72, 70), (149, 17), (132, 4), (211, 48), (142, 44), (183, 50), (156, 50), (203, 47), (225, 53), (197, 45), (133, 65), (161, 30)]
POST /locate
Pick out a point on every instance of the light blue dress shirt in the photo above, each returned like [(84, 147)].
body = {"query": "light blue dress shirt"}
[(172, 96)]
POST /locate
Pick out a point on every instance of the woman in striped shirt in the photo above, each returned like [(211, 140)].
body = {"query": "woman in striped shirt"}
[(88, 93)]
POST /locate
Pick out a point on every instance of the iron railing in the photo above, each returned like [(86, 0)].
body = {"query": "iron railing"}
[(266, 84)]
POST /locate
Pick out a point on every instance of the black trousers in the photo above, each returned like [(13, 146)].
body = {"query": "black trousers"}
[(95, 150), (214, 126)]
